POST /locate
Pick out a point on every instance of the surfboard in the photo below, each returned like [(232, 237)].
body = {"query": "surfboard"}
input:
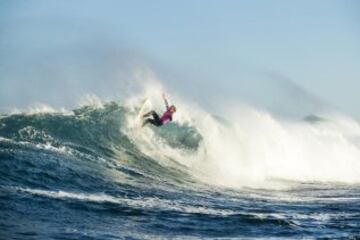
[(141, 112)]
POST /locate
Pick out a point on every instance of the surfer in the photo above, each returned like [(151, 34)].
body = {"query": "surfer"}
[(164, 119)]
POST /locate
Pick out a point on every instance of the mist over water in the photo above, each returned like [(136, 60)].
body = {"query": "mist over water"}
[(246, 146), (56, 57)]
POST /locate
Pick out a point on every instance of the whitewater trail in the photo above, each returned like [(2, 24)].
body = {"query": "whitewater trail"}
[(249, 147)]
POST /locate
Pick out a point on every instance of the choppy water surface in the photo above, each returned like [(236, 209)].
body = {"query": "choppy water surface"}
[(89, 175)]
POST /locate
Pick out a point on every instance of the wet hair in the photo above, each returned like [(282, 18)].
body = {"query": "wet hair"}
[(173, 107)]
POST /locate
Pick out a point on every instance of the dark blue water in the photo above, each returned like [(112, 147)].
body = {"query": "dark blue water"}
[(77, 176)]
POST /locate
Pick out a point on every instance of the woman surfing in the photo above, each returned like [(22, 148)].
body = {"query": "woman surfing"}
[(153, 118)]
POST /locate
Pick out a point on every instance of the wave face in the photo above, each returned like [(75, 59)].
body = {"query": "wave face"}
[(92, 173)]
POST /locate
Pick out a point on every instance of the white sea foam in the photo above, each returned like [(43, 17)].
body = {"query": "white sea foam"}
[(153, 203), (48, 146), (40, 108), (146, 202), (90, 100), (249, 147)]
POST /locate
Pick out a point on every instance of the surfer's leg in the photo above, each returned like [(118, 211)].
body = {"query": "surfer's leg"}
[(149, 120), (157, 120), (154, 121), (155, 116), (148, 114)]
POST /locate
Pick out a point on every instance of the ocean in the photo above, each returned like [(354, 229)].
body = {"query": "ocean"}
[(93, 173)]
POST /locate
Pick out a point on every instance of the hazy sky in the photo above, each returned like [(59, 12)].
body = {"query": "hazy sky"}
[(315, 44)]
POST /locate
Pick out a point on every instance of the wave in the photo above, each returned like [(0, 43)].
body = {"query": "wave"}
[(243, 147)]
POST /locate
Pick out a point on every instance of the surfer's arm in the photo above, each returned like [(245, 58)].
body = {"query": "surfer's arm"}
[(165, 101)]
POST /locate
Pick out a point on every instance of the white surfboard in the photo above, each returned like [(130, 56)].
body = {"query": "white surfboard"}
[(141, 112)]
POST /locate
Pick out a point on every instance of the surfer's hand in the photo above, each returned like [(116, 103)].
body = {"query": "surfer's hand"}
[(163, 96)]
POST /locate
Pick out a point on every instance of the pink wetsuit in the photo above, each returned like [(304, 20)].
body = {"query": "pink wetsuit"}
[(166, 117)]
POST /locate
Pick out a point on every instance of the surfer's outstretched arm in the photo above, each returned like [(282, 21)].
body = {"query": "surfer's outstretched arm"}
[(166, 101)]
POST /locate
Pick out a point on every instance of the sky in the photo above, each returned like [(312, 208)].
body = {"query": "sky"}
[(60, 47)]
